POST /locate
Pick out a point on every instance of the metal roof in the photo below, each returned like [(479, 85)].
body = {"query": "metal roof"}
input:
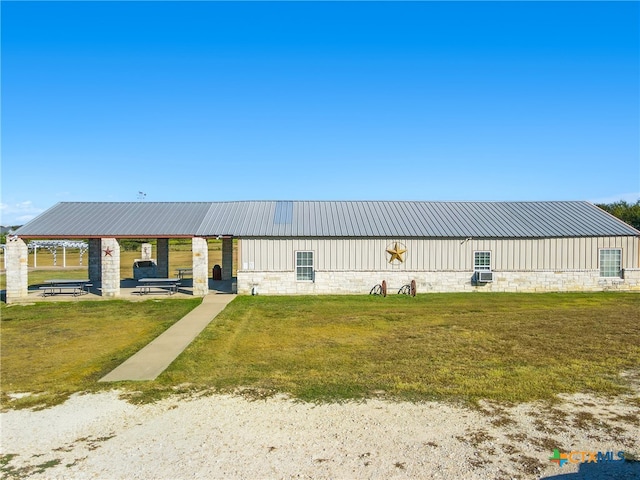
[(326, 219)]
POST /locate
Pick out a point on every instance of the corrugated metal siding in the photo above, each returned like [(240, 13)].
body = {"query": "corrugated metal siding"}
[(329, 219), (352, 254)]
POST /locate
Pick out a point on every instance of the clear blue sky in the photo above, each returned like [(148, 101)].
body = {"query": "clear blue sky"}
[(207, 101)]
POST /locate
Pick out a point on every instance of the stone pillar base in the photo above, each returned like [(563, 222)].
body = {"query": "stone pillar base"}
[(110, 267), (17, 258), (200, 266)]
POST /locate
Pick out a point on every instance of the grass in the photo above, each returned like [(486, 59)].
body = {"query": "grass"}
[(504, 347), (458, 347), (56, 349)]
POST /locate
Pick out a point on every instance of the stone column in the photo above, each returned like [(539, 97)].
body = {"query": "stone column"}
[(163, 257), (227, 258), (95, 261), (110, 267), (146, 251), (200, 253), (17, 258)]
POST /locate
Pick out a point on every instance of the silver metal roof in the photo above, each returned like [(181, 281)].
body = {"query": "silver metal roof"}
[(326, 219)]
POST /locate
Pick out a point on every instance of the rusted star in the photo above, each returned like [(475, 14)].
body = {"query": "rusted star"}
[(396, 253), (108, 252)]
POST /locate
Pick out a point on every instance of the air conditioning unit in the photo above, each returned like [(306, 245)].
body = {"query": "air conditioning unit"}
[(484, 276)]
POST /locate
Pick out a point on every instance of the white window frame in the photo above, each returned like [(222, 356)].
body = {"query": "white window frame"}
[(300, 267), (481, 268), (603, 270)]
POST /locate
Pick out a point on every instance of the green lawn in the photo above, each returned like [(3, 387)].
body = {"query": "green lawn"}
[(55, 349), (459, 347), (507, 347)]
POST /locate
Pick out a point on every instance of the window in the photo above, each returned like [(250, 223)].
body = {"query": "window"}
[(304, 266), (481, 261), (610, 262)]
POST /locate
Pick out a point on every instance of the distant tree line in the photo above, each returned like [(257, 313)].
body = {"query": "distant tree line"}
[(627, 212)]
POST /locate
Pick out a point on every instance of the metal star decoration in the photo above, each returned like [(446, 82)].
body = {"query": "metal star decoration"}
[(108, 252), (396, 253)]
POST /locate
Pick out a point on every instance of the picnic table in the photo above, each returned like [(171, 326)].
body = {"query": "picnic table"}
[(59, 286), (163, 285)]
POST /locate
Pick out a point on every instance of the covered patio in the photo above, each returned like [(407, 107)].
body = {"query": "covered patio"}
[(104, 227)]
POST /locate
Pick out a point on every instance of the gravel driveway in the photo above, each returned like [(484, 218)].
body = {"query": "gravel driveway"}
[(101, 436)]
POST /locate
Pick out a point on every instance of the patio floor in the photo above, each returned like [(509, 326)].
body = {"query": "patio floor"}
[(128, 291)]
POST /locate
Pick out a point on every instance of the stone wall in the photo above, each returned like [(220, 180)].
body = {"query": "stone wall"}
[(353, 282)]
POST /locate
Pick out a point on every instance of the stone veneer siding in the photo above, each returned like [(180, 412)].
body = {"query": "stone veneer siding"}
[(200, 266), (17, 258), (110, 251), (361, 282)]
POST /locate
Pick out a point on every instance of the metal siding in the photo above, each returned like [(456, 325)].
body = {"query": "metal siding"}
[(575, 252), (522, 258), (559, 251), (376, 257), (512, 252), (516, 254), (327, 260), (428, 254), (530, 249), (271, 255), (437, 255), (633, 244), (286, 257), (245, 253), (543, 251), (555, 253), (582, 253), (362, 254)]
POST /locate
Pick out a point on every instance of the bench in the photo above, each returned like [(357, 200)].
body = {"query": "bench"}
[(74, 288), (162, 285), (184, 271)]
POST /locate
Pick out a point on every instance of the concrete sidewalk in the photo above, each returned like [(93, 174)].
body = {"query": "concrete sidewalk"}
[(153, 359)]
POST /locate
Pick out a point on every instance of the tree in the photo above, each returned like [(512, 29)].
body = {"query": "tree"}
[(627, 212), (4, 231)]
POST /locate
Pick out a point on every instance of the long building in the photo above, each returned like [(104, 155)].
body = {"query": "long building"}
[(323, 247)]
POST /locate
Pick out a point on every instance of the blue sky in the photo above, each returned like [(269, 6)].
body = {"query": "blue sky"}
[(214, 101)]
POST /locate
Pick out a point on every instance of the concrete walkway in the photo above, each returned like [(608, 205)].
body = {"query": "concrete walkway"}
[(153, 359)]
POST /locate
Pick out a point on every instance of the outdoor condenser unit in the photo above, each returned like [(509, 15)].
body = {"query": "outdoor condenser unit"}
[(484, 277)]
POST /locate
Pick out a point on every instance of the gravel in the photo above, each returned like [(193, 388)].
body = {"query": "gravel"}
[(102, 436)]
